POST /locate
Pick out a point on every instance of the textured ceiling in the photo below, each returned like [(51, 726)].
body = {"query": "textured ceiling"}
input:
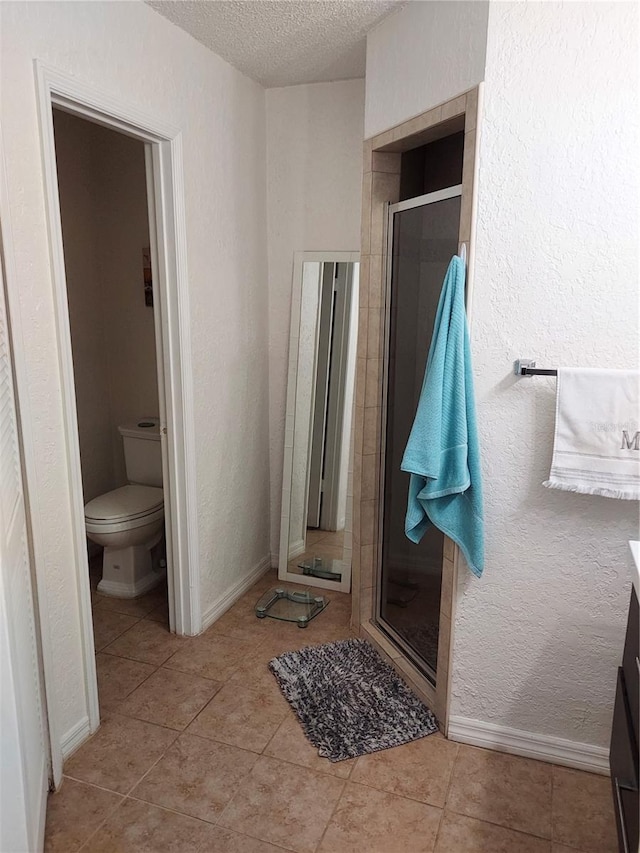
[(283, 42)]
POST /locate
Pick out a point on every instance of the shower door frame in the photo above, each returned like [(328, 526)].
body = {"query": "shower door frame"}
[(411, 203), (381, 171)]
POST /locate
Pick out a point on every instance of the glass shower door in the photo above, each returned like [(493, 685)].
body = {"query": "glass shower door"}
[(423, 235)]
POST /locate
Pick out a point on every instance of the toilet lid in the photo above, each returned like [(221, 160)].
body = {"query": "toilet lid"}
[(126, 502)]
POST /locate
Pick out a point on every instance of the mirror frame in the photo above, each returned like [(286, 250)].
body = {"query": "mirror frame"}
[(299, 259)]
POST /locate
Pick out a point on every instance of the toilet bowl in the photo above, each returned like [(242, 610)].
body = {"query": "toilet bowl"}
[(128, 522)]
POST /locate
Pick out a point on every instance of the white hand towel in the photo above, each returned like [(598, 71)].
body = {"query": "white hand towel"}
[(596, 448)]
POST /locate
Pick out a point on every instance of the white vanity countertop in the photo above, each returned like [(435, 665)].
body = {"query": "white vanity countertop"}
[(635, 569)]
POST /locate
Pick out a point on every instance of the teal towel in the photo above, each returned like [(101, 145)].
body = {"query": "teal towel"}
[(442, 454)]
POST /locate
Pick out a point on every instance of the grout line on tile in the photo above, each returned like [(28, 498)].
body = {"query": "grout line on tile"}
[(91, 785), (353, 767), (303, 766), (189, 672), (244, 835), (172, 810), (117, 637), (84, 844), (121, 700), (150, 722), (222, 813), (565, 844), (280, 725), (106, 651), (102, 599), (440, 822), (502, 826), (147, 722), (146, 773), (100, 605), (453, 770), (449, 808), (333, 811), (215, 822), (130, 615), (213, 739), (395, 794)]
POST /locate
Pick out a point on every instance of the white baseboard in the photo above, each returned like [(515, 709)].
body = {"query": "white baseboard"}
[(75, 737), (556, 750), (233, 594)]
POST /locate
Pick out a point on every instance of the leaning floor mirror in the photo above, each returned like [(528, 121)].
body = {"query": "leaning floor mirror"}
[(316, 524)]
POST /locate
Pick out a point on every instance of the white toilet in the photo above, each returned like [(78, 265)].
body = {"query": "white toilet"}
[(128, 522)]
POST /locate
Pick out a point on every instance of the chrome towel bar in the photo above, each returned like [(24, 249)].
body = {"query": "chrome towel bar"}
[(526, 367)]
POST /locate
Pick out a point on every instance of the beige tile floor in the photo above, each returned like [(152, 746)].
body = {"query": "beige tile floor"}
[(198, 751)]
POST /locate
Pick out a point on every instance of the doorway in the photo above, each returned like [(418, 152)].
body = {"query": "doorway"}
[(118, 370), (167, 245)]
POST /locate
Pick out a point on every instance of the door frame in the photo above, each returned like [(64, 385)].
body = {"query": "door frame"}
[(333, 440), (166, 192), (21, 659), (319, 410), (419, 201)]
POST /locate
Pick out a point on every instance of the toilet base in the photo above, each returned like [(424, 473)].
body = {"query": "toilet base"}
[(129, 572)]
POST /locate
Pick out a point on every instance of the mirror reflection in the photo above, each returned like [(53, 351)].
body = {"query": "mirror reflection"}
[(316, 523)]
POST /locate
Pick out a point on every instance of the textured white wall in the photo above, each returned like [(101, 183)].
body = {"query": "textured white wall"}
[(129, 334), (132, 52), (423, 55), (314, 179), (103, 197), (538, 639), (76, 156)]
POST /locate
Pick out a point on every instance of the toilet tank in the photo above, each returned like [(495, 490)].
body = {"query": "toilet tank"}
[(142, 453)]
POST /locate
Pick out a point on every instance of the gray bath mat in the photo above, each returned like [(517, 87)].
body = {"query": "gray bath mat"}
[(349, 701)]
